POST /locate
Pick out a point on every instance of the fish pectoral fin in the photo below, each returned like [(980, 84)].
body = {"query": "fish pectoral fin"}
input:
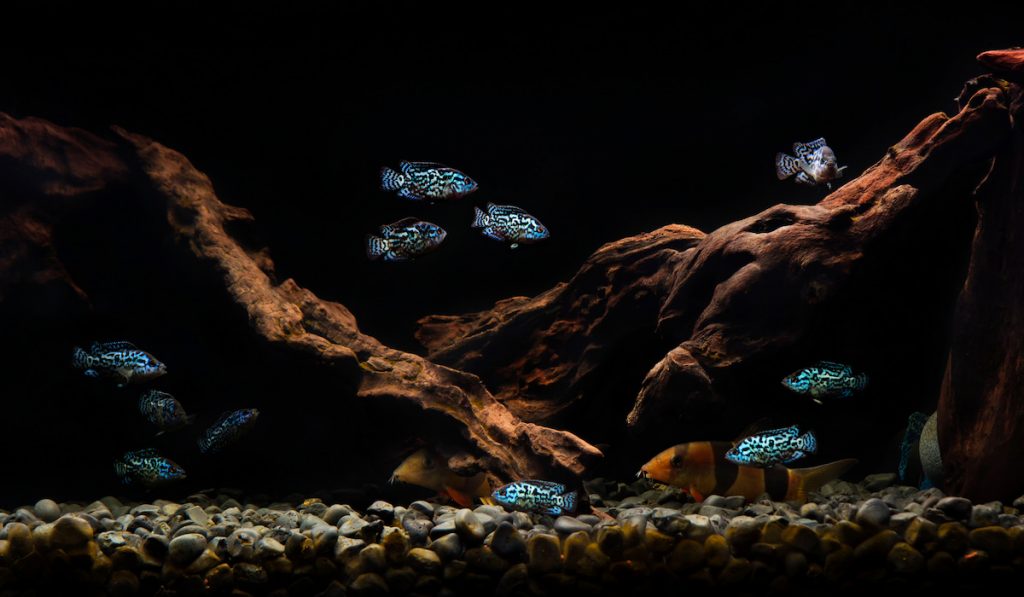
[(696, 494), (459, 498), (514, 245), (488, 501)]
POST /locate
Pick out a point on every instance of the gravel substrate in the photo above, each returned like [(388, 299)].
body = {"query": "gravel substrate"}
[(639, 540)]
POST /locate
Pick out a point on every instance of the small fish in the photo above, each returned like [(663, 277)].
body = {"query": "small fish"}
[(427, 469), (147, 468), (701, 469), (537, 496), (163, 410), (510, 224), (121, 361), (228, 428), (768, 448), (404, 239), (419, 181), (911, 439), (827, 379), (814, 164)]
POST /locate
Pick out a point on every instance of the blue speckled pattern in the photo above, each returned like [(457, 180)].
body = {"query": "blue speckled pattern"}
[(827, 379), (537, 496), (775, 446)]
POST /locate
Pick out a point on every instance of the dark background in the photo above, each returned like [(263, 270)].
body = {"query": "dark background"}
[(602, 124)]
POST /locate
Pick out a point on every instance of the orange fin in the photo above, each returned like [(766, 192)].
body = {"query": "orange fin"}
[(459, 498), (696, 494)]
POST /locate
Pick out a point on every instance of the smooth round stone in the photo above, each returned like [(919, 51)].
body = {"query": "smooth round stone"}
[(469, 527), (920, 531), (699, 527), (198, 515), (425, 561), (544, 553), (443, 528), (507, 542), (957, 508), (904, 559), (369, 583), (309, 521), (70, 532), (875, 548), (812, 511), (953, 537), (588, 519), (642, 511), (111, 540), (994, 540), (418, 528), (185, 548), (687, 555), (335, 513), (743, 531), (758, 510), (880, 481), (250, 574), (346, 548), (489, 522), (373, 558), (800, 537), (567, 525), (715, 501), (874, 512), (47, 510), (123, 583), (795, 564), (192, 528), (299, 547), (522, 520), (902, 519), (716, 551), (984, 515), (268, 547), (382, 510), (423, 507), (448, 547)]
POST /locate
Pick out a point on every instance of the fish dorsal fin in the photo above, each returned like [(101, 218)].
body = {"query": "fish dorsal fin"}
[(403, 223), (142, 453), (110, 346), (424, 164), (508, 209), (224, 416), (550, 485), (754, 428), (835, 365), (804, 150)]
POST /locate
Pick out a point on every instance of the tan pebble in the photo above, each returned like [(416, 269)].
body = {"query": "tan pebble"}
[(515, 581), (658, 542), (396, 545), (839, 564), (611, 541), (953, 537), (876, 548), (373, 558), (42, 536), (573, 548), (800, 537), (400, 579), (424, 560), (369, 583), (941, 564), (849, 533), (994, 540), (454, 569), (70, 531), (771, 532), (545, 554), (280, 566), (206, 560), (920, 531), (736, 572), (904, 559), (5, 551), (687, 555), (716, 551), (795, 564), (593, 561), (123, 583), (485, 560), (126, 557)]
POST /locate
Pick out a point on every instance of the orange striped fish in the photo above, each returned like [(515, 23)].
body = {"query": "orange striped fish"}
[(701, 469), (428, 469)]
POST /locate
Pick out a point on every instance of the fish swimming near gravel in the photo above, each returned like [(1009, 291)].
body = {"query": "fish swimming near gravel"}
[(508, 223), (163, 410), (426, 468), (814, 164), (775, 446), (537, 496), (146, 467), (419, 181), (911, 441), (827, 379), (701, 469), (228, 428), (404, 239), (120, 361)]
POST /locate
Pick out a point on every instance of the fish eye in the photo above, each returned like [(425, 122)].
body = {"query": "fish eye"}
[(676, 461)]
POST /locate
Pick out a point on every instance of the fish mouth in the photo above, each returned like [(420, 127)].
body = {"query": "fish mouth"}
[(394, 479), (641, 474)]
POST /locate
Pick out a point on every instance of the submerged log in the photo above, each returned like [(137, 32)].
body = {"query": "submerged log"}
[(58, 183)]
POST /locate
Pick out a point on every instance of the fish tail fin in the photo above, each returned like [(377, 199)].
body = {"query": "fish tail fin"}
[(390, 180), (479, 218), (569, 501), (78, 357), (375, 247), (810, 442), (812, 478), (488, 501), (786, 166), (459, 498), (862, 381)]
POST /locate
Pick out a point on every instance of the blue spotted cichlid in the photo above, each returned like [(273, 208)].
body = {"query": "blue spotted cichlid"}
[(537, 496), (827, 379), (911, 439), (147, 468), (775, 446), (403, 240), (163, 410), (121, 361), (509, 223), (228, 428), (419, 181), (814, 164)]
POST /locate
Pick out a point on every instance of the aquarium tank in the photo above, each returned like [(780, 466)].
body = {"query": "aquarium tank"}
[(410, 300)]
